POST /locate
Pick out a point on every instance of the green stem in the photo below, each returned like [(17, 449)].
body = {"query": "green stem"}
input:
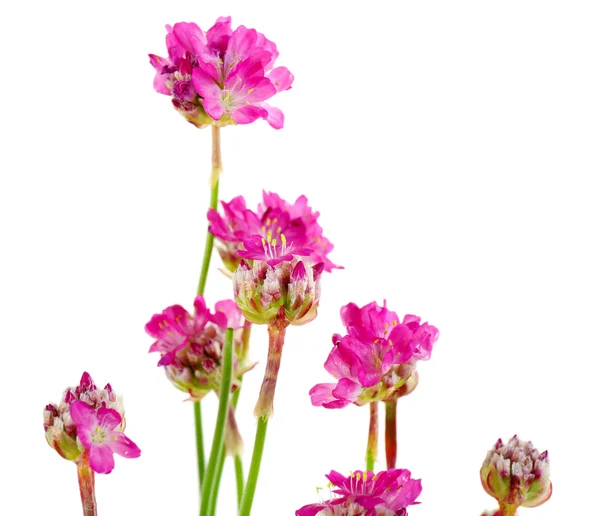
[(85, 476), (239, 478), (219, 473), (219, 435), (508, 510), (217, 167), (372, 444), (391, 447), (199, 442), (259, 445)]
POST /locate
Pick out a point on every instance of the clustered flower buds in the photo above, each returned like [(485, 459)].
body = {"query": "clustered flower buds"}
[(191, 346), (376, 360), (89, 420), (387, 493), (516, 474)]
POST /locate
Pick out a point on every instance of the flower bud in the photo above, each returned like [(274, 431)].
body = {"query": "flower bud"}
[(288, 289), (516, 474)]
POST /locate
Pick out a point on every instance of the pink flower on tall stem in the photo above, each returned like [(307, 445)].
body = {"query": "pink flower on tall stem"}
[(387, 493), (376, 358), (222, 77), (100, 433), (293, 227)]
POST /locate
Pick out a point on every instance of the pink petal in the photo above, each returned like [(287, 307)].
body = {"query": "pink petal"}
[(83, 414), (321, 393), (213, 107), (281, 78), (84, 434), (248, 114), (101, 459), (123, 446), (346, 389), (109, 418), (274, 116), (205, 85)]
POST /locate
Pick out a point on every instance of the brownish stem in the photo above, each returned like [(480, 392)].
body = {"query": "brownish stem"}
[(217, 164), (264, 405), (234, 444), (372, 443), (508, 510), (85, 475), (391, 447)]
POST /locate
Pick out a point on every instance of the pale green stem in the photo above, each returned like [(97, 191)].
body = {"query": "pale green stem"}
[(208, 488), (259, 445), (372, 443)]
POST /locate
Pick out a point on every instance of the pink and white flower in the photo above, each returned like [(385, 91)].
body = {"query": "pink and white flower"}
[(100, 432)]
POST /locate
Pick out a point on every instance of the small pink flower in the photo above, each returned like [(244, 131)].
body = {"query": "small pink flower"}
[(98, 431), (376, 358), (363, 492), (275, 220), (191, 345)]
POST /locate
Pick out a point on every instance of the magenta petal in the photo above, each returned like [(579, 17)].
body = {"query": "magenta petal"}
[(84, 434), (248, 114), (101, 459), (83, 414), (281, 78), (346, 389), (123, 446), (274, 116), (321, 393), (213, 107), (205, 85), (109, 418), (311, 510)]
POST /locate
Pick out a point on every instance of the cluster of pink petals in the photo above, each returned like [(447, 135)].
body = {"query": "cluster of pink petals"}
[(364, 493), (228, 73), (191, 346), (376, 358), (275, 232), (99, 431)]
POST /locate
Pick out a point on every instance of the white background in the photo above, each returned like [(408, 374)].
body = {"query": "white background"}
[(451, 148)]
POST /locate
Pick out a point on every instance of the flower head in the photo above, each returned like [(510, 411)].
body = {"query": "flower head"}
[(287, 229), (517, 474), (191, 346), (223, 76), (376, 360), (61, 430), (387, 493), (100, 432), (289, 290)]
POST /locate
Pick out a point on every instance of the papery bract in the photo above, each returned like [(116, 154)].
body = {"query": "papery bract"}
[(387, 493), (376, 359)]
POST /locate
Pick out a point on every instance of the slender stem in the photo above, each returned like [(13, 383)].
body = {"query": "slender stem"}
[(259, 445), (199, 441), (219, 435), (239, 477), (85, 476), (372, 444), (391, 446), (264, 405), (217, 167), (219, 473)]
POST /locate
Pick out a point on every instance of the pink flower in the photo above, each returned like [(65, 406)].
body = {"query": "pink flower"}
[(240, 231), (223, 75), (376, 358), (61, 431), (191, 345), (99, 432), (387, 493)]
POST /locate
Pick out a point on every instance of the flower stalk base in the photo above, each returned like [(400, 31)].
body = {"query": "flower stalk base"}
[(391, 447), (85, 476)]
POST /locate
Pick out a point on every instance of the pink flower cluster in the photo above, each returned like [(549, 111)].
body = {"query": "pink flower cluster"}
[(275, 232), (376, 358), (191, 346), (89, 419), (387, 493), (222, 75)]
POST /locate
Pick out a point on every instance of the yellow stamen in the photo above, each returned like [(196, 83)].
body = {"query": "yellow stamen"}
[(283, 239)]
